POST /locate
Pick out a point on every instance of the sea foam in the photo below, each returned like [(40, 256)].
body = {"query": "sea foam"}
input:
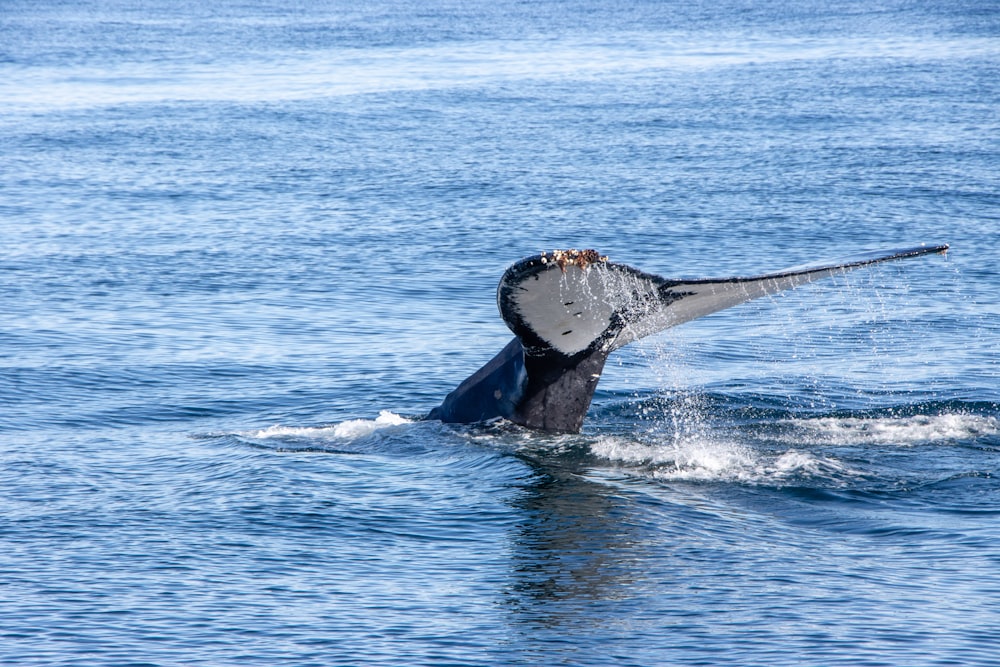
[(912, 430), (351, 429), (704, 458)]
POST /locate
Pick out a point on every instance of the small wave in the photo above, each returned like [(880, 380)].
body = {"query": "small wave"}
[(912, 430), (702, 459), (351, 429)]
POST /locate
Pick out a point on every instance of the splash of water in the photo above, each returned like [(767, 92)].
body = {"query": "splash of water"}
[(711, 459), (352, 429)]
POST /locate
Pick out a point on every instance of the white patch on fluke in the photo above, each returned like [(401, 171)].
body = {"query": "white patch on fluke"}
[(568, 309)]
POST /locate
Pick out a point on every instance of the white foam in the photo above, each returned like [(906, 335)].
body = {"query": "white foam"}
[(794, 462), (701, 459), (351, 429), (695, 458), (912, 430)]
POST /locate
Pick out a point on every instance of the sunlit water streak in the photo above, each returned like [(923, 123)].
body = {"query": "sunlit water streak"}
[(298, 76)]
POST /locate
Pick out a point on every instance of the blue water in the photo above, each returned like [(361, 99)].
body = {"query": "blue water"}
[(245, 246)]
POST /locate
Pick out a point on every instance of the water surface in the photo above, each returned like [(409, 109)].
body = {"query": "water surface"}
[(247, 246)]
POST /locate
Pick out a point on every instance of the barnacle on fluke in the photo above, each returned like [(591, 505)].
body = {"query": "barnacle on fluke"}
[(573, 257)]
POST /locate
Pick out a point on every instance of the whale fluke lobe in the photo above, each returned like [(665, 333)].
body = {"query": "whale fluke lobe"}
[(570, 309)]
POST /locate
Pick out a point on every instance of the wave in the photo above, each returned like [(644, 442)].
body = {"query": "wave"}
[(705, 459), (341, 433), (900, 431)]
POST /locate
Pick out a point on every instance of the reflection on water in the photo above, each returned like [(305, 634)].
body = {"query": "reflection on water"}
[(576, 547)]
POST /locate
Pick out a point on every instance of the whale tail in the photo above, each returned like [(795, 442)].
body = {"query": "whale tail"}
[(570, 309)]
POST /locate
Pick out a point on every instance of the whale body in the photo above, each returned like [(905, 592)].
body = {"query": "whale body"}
[(570, 309)]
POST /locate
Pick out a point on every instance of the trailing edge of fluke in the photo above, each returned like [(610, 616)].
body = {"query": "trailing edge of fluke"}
[(570, 309)]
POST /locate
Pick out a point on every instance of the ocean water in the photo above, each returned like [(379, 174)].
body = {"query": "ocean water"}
[(246, 246)]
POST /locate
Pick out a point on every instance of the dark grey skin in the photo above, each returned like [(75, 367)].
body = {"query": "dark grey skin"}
[(553, 398), (571, 309)]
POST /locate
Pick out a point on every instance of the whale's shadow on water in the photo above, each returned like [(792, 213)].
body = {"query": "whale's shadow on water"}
[(576, 545)]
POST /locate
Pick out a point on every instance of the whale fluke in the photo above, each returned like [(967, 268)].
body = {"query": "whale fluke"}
[(570, 309)]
